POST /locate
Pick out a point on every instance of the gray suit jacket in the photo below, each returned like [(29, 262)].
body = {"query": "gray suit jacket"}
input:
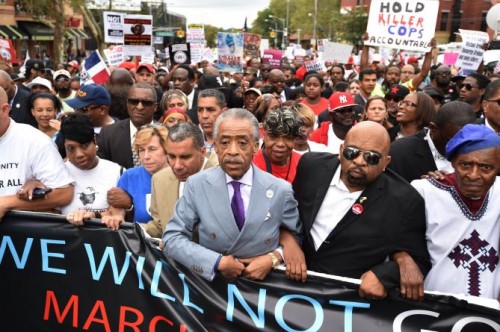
[(205, 203)]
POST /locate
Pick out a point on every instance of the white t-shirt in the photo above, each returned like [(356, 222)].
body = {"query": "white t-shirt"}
[(333, 141), (26, 153), (91, 186)]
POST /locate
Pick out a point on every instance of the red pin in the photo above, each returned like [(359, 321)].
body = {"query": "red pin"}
[(357, 208)]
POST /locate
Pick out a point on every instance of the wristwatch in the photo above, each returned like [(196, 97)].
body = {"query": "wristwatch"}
[(274, 259)]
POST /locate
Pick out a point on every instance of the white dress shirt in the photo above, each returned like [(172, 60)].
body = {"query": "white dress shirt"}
[(441, 163), (245, 187), (338, 200)]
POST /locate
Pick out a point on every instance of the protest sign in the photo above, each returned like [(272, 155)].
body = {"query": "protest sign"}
[(450, 58), (336, 51), (195, 36), (273, 57), (113, 27), (402, 24), (59, 277), (315, 65), (114, 55), (230, 52), (472, 52), (138, 30), (251, 45), (179, 53)]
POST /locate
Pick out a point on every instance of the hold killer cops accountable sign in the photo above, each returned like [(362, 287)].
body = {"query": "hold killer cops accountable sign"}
[(402, 24), (58, 277)]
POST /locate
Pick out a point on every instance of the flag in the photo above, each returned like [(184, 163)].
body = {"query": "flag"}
[(94, 70), (7, 52), (245, 27), (22, 70)]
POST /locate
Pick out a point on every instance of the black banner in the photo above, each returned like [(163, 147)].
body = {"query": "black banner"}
[(58, 277)]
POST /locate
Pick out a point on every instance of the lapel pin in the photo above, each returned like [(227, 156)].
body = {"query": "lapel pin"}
[(269, 193), (268, 216), (18, 105), (362, 199), (357, 208)]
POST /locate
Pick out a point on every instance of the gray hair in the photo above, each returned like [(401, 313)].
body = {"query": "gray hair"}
[(217, 94), (185, 130), (238, 114)]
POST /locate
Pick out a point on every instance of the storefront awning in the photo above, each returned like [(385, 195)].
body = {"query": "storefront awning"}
[(37, 30), (11, 32), (81, 33)]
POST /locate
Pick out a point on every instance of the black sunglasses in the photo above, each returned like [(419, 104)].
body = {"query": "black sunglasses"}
[(62, 79), (467, 86), (371, 158), (393, 98), (494, 101), (145, 103)]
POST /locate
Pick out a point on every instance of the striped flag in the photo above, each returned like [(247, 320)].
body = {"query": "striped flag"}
[(94, 70)]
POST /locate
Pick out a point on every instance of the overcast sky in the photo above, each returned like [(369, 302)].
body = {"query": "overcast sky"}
[(220, 13)]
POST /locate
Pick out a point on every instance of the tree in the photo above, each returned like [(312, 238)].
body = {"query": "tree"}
[(51, 13), (211, 35)]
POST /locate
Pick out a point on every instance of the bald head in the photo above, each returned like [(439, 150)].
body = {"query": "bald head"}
[(7, 84), (369, 131), (121, 76), (3, 96)]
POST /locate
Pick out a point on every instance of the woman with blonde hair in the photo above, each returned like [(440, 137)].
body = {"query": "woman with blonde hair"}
[(307, 120)]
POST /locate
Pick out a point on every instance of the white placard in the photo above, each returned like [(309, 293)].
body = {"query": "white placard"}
[(315, 65), (336, 51), (471, 55), (114, 55), (138, 34), (402, 24), (113, 27)]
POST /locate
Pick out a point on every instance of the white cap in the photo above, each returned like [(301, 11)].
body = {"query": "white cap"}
[(40, 81), (61, 72)]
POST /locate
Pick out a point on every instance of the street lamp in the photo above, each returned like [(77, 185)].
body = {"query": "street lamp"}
[(285, 30)]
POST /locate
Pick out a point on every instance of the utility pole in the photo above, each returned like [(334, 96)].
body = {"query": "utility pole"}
[(315, 23)]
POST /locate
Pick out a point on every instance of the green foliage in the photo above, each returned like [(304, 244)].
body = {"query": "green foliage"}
[(211, 35)]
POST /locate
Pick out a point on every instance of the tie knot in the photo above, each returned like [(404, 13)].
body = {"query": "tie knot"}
[(236, 185)]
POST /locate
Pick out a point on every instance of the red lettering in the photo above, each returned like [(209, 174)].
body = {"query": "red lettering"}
[(72, 304), (381, 19), (134, 325), (156, 320), (410, 22), (98, 306), (420, 21)]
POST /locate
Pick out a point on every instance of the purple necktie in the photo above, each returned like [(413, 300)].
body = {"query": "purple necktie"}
[(237, 205)]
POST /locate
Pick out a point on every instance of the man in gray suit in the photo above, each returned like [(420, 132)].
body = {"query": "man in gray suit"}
[(238, 209)]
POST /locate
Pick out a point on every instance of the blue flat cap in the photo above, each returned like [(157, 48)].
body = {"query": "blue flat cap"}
[(471, 137)]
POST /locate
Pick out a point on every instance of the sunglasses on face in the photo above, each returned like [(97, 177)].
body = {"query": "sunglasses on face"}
[(371, 158), (145, 103), (344, 110), (62, 79), (467, 86), (407, 103), (391, 98)]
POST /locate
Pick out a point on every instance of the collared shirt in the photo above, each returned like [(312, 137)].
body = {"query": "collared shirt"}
[(183, 183), (334, 142), (283, 96), (441, 163), (488, 125), (190, 98), (338, 200), (12, 100), (245, 187), (133, 132)]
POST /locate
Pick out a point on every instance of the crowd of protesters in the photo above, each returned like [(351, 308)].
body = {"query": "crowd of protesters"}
[(382, 170)]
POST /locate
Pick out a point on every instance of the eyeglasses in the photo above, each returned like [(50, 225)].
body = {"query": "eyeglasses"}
[(62, 79), (467, 86), (145, 103), (372, 158), (407, 103), (494, 101)]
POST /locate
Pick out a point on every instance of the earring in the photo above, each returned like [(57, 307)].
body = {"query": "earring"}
[(97, 147)]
